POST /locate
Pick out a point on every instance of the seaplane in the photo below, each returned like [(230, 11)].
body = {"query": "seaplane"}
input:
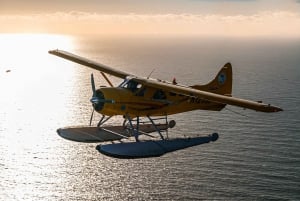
[(145, 104)]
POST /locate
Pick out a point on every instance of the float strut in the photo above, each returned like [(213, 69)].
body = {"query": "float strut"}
[(158, 130), (102, 120), (135, 131)]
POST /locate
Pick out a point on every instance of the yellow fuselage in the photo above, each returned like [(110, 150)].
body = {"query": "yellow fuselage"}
[(149, 102)]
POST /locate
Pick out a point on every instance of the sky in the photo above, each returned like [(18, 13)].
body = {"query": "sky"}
[(235, 18)]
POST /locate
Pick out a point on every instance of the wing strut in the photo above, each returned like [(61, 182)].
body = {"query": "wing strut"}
[(107, 80)]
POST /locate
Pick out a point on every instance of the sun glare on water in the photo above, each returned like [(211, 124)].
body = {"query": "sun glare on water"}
[(34, 95), (26, 67), (31, 79)]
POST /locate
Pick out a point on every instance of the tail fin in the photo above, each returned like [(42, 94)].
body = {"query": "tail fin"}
[(222, 84)]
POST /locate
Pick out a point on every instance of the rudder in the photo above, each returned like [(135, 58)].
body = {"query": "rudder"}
[(222, 84)]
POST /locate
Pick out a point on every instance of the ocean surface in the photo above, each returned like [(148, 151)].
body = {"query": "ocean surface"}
[(257, 156)]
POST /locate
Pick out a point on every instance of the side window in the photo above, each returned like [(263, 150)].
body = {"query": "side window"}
[(141, 92), (172, 94), (159, 94)]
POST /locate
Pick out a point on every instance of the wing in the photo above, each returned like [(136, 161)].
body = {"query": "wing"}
[(188, 91), (184, 90), (89, 63)]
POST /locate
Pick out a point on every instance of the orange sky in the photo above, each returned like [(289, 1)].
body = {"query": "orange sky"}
[(186, 17)]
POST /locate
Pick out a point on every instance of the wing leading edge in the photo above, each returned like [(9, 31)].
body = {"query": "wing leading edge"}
[(89, 63), (184, 90)]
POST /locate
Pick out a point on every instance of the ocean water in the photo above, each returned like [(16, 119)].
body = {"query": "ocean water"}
[(257, 156)]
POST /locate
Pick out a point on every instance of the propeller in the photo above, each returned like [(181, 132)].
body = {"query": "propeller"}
[(98, 96), (91, 119), (93, 84), (93, 97), (98, 100)]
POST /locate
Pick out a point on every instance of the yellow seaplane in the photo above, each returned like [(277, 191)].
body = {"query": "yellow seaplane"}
[(145, 104)]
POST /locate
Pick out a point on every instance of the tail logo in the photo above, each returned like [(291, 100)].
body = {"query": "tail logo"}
[(222, 78)]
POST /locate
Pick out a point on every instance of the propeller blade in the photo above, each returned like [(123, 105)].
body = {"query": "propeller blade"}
[(91, 119), (97, 95), (93, 84)]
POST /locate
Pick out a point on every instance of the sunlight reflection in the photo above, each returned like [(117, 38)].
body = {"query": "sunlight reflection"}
[(35, 89), (28, 72), (23, 50)]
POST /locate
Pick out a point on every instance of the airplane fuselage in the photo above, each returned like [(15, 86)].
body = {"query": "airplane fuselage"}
[(147, 101)]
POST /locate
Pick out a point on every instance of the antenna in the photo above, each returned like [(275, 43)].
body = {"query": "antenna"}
[(150, 73)]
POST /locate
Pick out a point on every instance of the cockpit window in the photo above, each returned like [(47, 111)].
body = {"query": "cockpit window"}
[(131, 85)]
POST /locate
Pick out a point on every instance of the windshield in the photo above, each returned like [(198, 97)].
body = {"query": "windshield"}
[(131, 85)]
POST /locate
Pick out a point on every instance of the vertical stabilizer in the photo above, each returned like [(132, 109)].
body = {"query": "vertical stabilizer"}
[(222, 84)]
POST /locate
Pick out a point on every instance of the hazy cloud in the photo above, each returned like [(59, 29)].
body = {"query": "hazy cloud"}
[(283, 24)]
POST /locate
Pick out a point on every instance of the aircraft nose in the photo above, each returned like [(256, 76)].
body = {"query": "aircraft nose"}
[(98, 100)]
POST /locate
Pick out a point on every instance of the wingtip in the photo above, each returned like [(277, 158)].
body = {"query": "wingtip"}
[(228, 64), (274, 109), (278, 109), (53, 51)]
